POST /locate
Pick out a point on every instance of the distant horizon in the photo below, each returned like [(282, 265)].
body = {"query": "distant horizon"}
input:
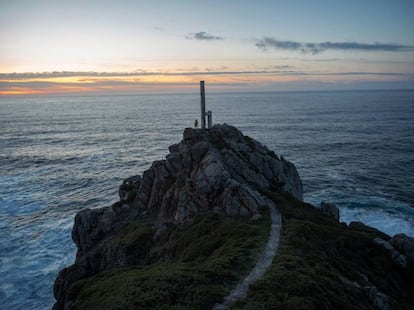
[(195, 92)]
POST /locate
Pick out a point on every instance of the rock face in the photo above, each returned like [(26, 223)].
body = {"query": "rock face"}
[(211, 170)]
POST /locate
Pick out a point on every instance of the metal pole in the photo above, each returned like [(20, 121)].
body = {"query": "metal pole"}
[(209, 119), (203, 105)]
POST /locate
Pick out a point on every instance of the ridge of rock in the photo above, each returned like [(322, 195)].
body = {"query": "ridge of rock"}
[(211, 170), (217, 169)]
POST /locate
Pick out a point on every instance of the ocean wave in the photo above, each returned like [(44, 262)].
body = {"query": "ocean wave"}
[(384, 213)]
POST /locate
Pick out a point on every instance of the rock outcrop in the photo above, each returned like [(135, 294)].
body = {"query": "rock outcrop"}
[(211, 170), (330, 210), (400, 248), (404, 245), (397, 257), (216, 170)]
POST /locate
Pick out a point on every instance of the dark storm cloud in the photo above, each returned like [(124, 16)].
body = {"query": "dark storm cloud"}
[(203, 36), (316, 48)]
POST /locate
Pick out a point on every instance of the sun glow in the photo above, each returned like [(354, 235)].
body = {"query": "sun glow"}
[(132, 83), (66, 82)]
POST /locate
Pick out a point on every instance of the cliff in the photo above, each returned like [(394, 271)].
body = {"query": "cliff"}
[(193, 225)]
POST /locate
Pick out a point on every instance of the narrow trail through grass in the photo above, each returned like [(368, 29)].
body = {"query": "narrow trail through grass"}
[(262, 264)]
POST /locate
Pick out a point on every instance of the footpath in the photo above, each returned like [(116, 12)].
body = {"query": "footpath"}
[(262, 264)]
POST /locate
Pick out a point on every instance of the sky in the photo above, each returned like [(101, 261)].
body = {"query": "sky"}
[(133, 47)]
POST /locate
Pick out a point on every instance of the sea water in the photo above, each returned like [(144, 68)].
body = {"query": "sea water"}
[(59, 155)]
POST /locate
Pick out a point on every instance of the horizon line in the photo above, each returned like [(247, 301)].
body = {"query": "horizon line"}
[(108, 94)]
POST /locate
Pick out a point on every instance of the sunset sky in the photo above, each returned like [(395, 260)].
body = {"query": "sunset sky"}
[(168, 46)]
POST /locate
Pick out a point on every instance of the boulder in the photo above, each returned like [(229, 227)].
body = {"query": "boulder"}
[(255, 218), (330, 210), (404, 244), (379, 300), (396, 256), (357, 225), (129, 187)]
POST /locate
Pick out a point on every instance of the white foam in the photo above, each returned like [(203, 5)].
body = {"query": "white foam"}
[(391, 224), (387, 215)]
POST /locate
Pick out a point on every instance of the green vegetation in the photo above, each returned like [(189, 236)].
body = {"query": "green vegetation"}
[(192, 266), (320, 265), (318, 260)]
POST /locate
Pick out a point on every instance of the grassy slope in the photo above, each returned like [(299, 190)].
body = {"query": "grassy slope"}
[(195, 265), (191, 267), (314, 253)]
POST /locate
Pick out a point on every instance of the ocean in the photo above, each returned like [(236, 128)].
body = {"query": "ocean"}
[(59, 155)]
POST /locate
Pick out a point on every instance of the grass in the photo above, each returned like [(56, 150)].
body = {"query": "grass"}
[(192, 266), (314, 254), (158, 286)]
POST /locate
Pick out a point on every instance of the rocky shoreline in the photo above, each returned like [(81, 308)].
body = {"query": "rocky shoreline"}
[(211, 171)]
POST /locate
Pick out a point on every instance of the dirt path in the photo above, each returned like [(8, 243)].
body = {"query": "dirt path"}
[(263, 263)]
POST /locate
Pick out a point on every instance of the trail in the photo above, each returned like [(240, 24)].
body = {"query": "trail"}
[(263, 263)]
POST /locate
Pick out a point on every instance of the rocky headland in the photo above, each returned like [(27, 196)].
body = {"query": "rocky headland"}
[(196, 225)]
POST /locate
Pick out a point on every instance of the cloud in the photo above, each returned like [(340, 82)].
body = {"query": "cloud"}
[(35, 84), (105, 86), (203, 36), (64, 74), (112, 82), (42, 78), (321, 60), (159, 29), (316, 48)]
